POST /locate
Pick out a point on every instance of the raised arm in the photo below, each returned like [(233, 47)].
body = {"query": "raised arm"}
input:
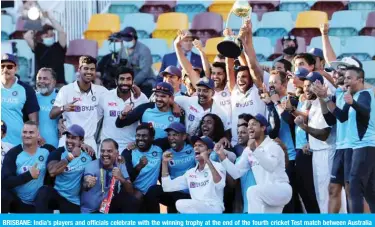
[(206, 64), (328, 52), (60, 30), (184, 62)]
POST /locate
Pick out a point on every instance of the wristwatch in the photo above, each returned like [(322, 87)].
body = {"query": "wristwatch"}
[(326, 99), (62, 109)]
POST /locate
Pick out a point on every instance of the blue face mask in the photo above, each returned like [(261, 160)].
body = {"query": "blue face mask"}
[(49, 41), (128, 45)]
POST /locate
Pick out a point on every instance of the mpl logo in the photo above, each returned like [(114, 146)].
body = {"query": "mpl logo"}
[(77, 109), (193, 109), (76, 99), (112, 104)]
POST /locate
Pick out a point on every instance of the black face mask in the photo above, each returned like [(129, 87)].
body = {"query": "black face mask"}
[(290, 50)]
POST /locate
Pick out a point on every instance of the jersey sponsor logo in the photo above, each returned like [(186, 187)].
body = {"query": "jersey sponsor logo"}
[(198, 184), (113, 113), (225, 102), (52, 101), (112, 104), (93, 98), (10, 100), (41, 158), (25, 169), (14, 93), (191, 117), (183, 160), (193, 109), (171, 163), (247, 103), (170, 118), (84, 108), (76, 99), (83, 159), (193, 176), (45, 108)]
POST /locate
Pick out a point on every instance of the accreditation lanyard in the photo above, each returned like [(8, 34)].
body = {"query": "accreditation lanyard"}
[(102, 179)]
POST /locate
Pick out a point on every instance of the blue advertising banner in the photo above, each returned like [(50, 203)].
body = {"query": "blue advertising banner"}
[(183, 220)]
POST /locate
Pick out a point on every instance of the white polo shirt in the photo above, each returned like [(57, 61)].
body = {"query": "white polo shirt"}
[(195, 112), (316, 120), (110, 107), (85, 114), (200, 184), (223, 98), (249, 103)]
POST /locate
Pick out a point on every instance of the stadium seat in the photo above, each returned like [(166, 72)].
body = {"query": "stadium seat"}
[(263, 48), (369, 29), (7, 27), (207, 25), (156, 67), (363, 47), (192, 8), (168, 24), (142, 22), (316, 42), (345, 23), (79, 47), (275, 28), (25, 57), (308, 23), (211, 48), (295, 6), (222, 7), (122, 8), (19, 31), (158, 48), (101, 26), (260, 7), (329, 6), (368, 67), (278, 50), (70, 73), (158, 7), (364, 6), (235, 23)]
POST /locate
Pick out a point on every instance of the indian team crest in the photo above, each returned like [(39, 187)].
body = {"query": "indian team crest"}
[(154, 153), (41, 158), (224, 94), (93, 98), (170, 118), (53, 101), (205, 174), (83, 159), (189, 151), (3, 153), (14, 93)]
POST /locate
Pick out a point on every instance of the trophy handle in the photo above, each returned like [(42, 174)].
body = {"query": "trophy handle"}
[(227, 22)]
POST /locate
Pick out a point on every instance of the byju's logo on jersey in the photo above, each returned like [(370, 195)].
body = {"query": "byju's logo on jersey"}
[(14, 93), (191, 117), (77, 109), (171, 163), (113, 113), (25, 169)]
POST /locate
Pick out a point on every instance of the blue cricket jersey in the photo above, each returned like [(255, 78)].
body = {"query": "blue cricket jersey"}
[(16, 176), (16, 102), (47, 126), (68, 183), (301, 136), (341, 128)]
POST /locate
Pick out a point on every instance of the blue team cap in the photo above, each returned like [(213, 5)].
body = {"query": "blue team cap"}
[(301, 72), (75, 130), (206, 140), (314, 76), (209, 83), (261, 119), (9, 58), (177, 127)]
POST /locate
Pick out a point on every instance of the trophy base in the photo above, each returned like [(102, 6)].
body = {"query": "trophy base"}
[(229, 49)]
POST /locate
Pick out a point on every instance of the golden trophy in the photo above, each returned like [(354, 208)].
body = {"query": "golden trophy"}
[(231, 47)]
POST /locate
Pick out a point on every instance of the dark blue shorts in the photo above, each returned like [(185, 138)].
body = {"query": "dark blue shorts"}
[(341, 166)]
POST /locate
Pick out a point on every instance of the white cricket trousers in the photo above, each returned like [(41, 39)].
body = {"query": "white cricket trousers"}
[(268, 198), (322, 162), (190, 206), (89, 141)]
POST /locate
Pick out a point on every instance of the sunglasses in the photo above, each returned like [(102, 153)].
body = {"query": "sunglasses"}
[(291, 37), (7, 66)]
